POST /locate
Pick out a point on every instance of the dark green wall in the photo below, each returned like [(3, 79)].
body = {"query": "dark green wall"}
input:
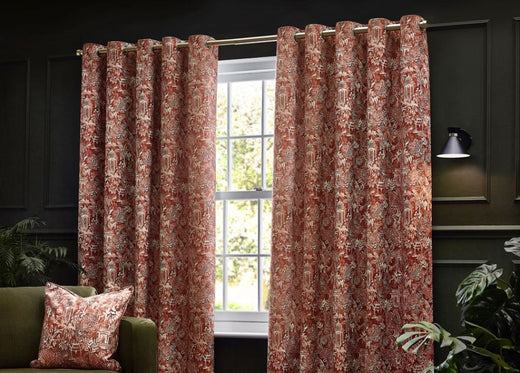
[(474, 59)]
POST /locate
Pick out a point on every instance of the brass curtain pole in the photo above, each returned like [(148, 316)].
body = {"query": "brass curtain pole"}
[(260, 39)]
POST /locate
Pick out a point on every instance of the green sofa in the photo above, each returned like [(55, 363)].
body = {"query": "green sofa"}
[(21, 319)]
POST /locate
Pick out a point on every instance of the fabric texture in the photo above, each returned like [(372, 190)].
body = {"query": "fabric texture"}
[(147, 187), (81, 332), (351, 246)]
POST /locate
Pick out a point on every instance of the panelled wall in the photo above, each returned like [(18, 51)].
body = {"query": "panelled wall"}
[(474, 51)]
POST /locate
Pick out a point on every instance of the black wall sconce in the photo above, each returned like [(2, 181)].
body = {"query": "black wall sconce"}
[(457, 144)]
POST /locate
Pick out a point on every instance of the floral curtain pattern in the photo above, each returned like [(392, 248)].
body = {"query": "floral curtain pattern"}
[(147, 189), (351, 245)]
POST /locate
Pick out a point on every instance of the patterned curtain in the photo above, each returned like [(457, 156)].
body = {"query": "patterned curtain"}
[(351, 248), (147, 189)]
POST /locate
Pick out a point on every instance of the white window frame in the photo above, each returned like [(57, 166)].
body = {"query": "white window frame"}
[(250, 324)]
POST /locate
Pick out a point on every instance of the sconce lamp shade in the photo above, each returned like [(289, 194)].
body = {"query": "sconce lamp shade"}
[(457, 144)]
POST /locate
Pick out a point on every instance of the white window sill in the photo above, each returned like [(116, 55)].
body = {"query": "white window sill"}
[(241, 324), (240, 335)]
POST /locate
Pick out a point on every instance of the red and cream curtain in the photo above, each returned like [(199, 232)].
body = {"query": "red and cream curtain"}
[(147, 189), (351, 246)]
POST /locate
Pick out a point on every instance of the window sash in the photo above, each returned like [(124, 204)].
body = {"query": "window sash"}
[(231, 322)]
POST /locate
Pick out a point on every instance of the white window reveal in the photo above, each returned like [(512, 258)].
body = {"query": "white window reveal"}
[(245, 126)]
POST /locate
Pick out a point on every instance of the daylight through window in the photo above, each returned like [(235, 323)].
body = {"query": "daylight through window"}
[(245, 126)]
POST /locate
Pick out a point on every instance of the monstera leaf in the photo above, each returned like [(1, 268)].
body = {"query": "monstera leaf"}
[(495, 311), (476, 282), (486, 339), (491, 348), (490, 314), (497, 359), (513, 246), (471, 361), (418, 336)]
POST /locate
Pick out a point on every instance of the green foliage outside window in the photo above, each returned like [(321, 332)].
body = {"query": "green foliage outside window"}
[(241, 147)]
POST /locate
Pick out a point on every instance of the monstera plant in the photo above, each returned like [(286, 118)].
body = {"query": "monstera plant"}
[(490, 316), (25, 260)]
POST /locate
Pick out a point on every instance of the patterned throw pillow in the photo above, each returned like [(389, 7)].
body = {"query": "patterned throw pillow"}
[(81, 332)]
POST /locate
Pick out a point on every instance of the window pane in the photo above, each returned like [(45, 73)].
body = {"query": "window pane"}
[(222, 104), (269, 106), (219, 227), (244, 161), (246, 157), (242, 284), (219, 284), (242, 227), (266, 273), (221, 165), (269, 156), (267, 206), (246, 108)]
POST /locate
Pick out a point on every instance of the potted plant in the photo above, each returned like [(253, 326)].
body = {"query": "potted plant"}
[(25, 260), (490, 316)]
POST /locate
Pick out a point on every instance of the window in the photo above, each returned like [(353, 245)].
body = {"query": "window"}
[(245, 126)]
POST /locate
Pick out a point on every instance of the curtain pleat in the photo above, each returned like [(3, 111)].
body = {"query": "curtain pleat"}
[(147, 192), (351, 245)]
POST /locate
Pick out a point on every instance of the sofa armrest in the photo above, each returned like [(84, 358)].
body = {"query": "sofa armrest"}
[(137, 350)]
